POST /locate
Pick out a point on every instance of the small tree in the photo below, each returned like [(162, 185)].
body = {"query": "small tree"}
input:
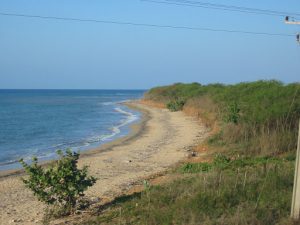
[(62, 184)]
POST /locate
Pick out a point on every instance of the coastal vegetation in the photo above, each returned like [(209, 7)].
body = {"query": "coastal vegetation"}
[(243, 191), (246, 173), (253, 118), (61, 185)]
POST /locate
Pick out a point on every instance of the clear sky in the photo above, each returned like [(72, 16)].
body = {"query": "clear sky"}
[(37, 53)]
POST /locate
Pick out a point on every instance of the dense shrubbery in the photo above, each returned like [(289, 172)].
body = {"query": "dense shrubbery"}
[(62, 184), (261, 116), (175, 105), (176, 91)]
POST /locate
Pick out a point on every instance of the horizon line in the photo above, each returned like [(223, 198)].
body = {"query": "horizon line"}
[(78, 89)]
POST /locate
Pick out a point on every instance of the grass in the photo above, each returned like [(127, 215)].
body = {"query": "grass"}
[(243, 191), (225, 163)]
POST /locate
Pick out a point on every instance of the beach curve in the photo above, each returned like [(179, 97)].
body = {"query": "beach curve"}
[(160, 141)]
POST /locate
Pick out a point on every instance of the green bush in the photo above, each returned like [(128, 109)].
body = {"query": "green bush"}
[(62, 184), (175, 105), (233, 113)]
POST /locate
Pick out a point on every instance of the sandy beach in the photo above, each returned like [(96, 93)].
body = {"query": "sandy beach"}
[(161, 140)]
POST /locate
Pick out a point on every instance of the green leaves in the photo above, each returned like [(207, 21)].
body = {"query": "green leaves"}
[(221, 162), (62, 183), (175, 105), (196, 167), (233, 113)]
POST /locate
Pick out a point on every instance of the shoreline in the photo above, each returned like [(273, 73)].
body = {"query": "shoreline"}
[(158, 142), (135, 130)]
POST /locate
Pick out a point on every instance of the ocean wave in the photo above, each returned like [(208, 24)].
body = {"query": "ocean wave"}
[(130, 118), (113, 103), (77, 145), (5, 163), (107, 103), (27, 159)]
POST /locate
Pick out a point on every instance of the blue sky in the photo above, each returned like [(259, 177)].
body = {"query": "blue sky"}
[(36, 53)]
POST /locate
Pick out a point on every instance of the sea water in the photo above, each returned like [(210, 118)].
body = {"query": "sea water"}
[(39, 122)]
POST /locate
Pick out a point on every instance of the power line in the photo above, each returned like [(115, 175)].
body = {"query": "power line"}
[(227, 7), (142, 24), (209, 7), (223, 7)]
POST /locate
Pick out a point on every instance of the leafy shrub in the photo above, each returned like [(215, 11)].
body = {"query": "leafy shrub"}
[(175, 105), (62, 184), (233, 113)]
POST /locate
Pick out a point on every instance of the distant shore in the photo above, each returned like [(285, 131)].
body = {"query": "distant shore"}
[(157, 142)]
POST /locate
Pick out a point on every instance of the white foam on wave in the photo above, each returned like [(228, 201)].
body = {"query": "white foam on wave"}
[(117, 129), (107, 103), (130, 118), (113, 103)]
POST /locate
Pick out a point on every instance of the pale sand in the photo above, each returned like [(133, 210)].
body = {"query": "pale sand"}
[(162, 141)]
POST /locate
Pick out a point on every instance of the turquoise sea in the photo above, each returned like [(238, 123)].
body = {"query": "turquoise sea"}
[(38, 122)]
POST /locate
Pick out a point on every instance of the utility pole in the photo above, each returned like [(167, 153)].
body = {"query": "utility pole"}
[(295, 209), (293, 22)]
